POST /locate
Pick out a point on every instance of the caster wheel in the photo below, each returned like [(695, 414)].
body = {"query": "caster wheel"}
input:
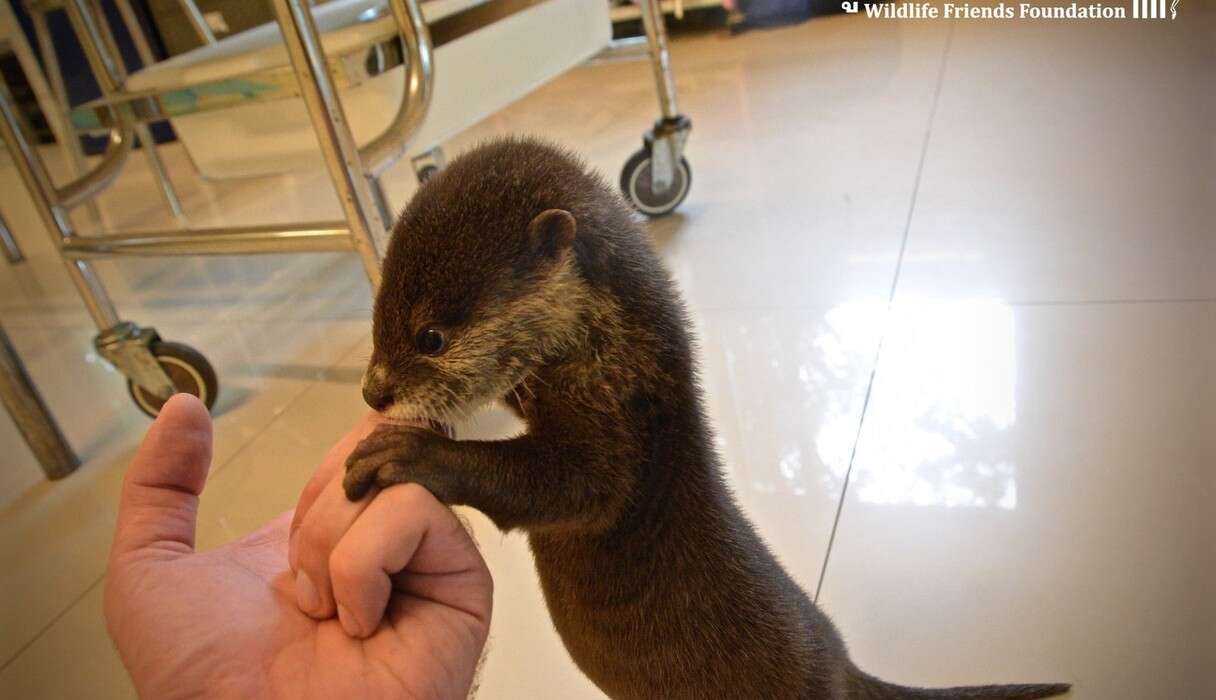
[(190, 372), (426, 173), (635, 183)]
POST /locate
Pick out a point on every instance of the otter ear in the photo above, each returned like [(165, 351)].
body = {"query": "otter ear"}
[(552, 231)]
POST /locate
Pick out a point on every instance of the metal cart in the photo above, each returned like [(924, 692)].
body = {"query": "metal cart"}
[(655, 179)]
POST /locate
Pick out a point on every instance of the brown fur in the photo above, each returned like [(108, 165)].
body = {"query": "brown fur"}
[(656, 582)]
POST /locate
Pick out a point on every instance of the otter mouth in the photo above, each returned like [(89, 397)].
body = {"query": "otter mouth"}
[(440, 428), (432, 424), (439, 420)]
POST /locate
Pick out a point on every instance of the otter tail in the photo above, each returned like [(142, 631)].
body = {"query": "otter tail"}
[(863, 686)]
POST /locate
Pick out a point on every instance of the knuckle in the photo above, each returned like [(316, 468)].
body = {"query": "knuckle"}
[(343, 567), (413, 495), (312, 543)]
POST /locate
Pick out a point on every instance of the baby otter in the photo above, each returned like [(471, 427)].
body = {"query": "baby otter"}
[(517, 274)]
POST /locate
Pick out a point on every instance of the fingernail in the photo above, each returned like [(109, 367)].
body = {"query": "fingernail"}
[(349, 623), (306, 593)]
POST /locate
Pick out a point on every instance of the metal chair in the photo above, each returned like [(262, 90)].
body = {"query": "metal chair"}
[(656, 178)]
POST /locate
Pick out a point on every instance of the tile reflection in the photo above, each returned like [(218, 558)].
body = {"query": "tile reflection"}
[(774, 378), (940, 436)]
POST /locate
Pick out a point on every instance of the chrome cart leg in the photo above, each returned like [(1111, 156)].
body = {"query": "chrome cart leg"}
[(93, 32), (197, 21), (424, 165), (135, 31), (57, 109), (132, 357), (159, 173), (155, 163), (666, 140), (657, 178), (35, 422), (368, 225), (656, 39), (427, 164), (380, 199), (11, 251)]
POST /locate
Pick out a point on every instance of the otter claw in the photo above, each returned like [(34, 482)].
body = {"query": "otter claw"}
[(362, 474), (390, 455), (358, 481)]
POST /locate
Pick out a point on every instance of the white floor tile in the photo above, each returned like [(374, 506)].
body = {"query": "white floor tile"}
[(1031, 500), (74, 659), (1070, 161)]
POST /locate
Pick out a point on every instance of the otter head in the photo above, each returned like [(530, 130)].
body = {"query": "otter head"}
[(480, 286)]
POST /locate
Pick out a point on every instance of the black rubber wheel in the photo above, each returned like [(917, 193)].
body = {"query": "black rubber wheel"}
[(635, 183), (190, 372), (427, 172)]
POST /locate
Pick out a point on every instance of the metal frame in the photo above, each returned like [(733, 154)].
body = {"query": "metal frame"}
[(101, 50), (12, 252), (196, 20), (93, 31), (56, 107), (666, 140), (355, 171), (355, 174)]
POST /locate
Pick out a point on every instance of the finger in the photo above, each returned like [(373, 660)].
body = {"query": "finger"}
[(159, 502), (406, 535), (330, 467), (330, 516)]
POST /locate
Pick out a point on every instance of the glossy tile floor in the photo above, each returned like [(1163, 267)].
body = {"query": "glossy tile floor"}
[(955, 286)]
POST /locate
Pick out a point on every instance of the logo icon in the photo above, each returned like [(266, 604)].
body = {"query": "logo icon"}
[(1153, 9)]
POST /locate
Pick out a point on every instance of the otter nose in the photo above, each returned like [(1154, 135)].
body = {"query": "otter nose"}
[(378, 397)]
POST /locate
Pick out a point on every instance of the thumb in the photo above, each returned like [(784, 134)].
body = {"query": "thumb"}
[(159, 502)]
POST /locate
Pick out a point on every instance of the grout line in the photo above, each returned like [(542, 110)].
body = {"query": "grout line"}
[(817, 307), (66, 609), (216, 469), (286, 407), (1115, 302), (844, 489), (899, 262), (920, 166)]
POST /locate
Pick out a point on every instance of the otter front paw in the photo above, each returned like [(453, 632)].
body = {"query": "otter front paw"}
[(397, 454)]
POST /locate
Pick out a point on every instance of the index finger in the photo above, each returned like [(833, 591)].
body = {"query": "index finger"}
[(405, 539), (331, 465)]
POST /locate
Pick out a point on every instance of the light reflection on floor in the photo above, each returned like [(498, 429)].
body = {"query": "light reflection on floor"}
[(949, 374)]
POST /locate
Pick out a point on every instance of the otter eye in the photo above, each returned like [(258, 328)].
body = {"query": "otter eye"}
[(432, 341)]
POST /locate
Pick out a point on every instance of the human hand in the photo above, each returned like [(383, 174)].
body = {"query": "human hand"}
[(225, 622)]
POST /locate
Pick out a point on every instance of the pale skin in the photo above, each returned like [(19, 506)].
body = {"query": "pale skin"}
[(413, 591)]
